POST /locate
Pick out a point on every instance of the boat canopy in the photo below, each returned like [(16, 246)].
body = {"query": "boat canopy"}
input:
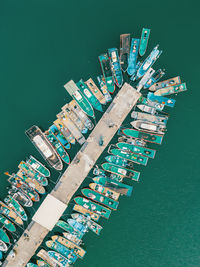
[(148, 126)]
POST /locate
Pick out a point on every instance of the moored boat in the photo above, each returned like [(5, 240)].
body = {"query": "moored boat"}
[(65, 226), (43, 254), (169, 82), (30, 264), (145, 108), (10, 213), (105, 191), (13, 204), (3, 246), (42, 263), (8, 225), (59, 259), (104, 88), (145, 78), (124, 50), (38, 166), (86, 212), (148, 117), (154, 78), (115, 66), (161, 100), (144, 41), (20, 196), (171, 90), (95, 90), (149, 127), (133, 56), (4, 237), (59, 136), (78, 226), (118, 161), (64, 130), (148, 137), (72, 237), (149, 103)]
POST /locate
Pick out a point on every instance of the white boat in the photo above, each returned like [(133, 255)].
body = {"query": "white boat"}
[(148, 126), (147, 109)]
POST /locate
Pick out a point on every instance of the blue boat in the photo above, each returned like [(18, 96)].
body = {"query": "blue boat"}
[(60, 136), (161, 100), (154, 78), (136, 69), (115, 66), (104, 88), (133, 56), (78, 226)]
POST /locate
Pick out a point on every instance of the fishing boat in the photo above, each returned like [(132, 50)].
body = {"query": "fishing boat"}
[(98, 171), (80, 252), (130, 140), (3, 246), (147, 109), (171, 90), (161, 100), (93, 226), (65, 226), (98, 197), (118, 187), (59, 136), (95, 90), (144, 41), (104, 191), (33, 174), (8, 225), (148, 62), (30, 264), (58, 147), (10, 213), (124, 50), (169, 82), (154, 78), (44, 147), (104, 173), (43, 254), (107, 73), (86, 212), (64, 130), (38, 166), (149, 103), (115, 66), (104, 88), (4, 237), (148, 127), (138, 65), (133, 56), (92, 206), (148, 152), (20, 196), (149, 137), (72, 237), (13, 204), (42, 263), (145, 78), (63, 250), (148, 117), (59, 259), (78, 226), (134, 175), (118, 161)]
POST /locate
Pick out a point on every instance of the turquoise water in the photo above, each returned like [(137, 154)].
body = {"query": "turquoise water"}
[(46, 43)]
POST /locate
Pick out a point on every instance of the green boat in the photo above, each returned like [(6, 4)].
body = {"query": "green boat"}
[(42, 263), (105, 191), (8, 225), (59, 259), (92, 206), (97, 197), (148, 137), (86, 212), (30, 264), (93, 226), (10, 213), (100, 172), (144, 41), (65, 226), (89, 95), (148, 152), (118, 161), (4, 237), (171, 90), (12, 203), (38, 166), (139, 159), (57, 145), (134, 175), (33, 174), (78, 96)]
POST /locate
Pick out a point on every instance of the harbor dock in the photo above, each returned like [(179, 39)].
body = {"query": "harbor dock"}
[(78, 170)]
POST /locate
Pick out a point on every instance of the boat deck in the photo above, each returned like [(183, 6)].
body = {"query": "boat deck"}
[(78, 170)]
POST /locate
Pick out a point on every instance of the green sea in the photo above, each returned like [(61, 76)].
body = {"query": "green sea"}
[(46, 43)]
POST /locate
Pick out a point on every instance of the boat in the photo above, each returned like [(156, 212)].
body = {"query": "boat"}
[(105, 191), (145, 78), (42, 263), (130, 140), (84, 211), (169, 82), (145, 108), (104, 173), (59, 136), (58, 147), (10, 213), (8, 225), (79, 97), (72, 237), (71, 127), (59, 259), (92, 206), (89, 95), (107, 73), (98, 171), (144, 41), (63, 250), (149, 103), (43, 254), (149, 127), (154, 78), (134, 175), (115, 66), (104, 88), (148, 152), (20, 196), (124, 50), (38, 166), (138, 65), (118, 161), (78, 226), (65, 226), (45, 148), (95, 90), (118, 187), (64, 130), (161, 100), (148, 117), (32, 174), (4, 237), (148, 62), (3, 246), (98, 197), (133, 56), (148, 137), (80, 252), (13, 204), (93, 226), (30, 264), (171, 90)]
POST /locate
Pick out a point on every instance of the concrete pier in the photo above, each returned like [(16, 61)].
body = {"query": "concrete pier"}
[(78, 170)]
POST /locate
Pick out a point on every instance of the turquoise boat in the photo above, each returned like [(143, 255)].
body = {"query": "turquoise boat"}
[(30, 264), (149, 137), (169, 82), (148, 152), (59, 259), (107, 73), (92, 206), (8, 225), (79, 227), (95, 196), (154, 78), (171, 90), (79, 97), (134, 175), (104, 89), (38, 166), (145, 101), (4, 237), (13, 204), (115, 66), (133, 56), (89, 95), (65, 226), (144, 41), (59, 136), (169, 102), (100, 172), (118, 161)]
